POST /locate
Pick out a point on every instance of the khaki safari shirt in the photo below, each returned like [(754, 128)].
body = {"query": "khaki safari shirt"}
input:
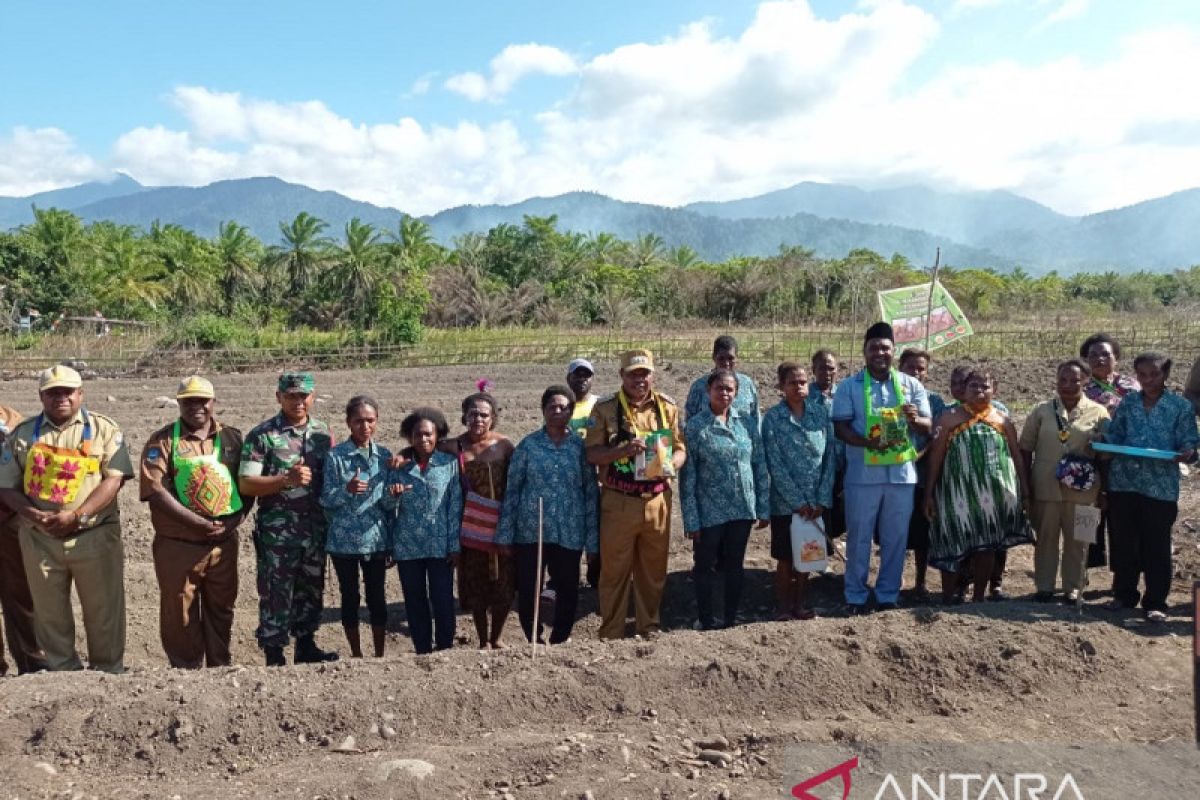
[(1040, 437), (158, 470), (108, 444), (603, 428), (9, 419)]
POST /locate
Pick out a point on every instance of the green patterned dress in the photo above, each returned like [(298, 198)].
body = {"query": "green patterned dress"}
[(978, 498)]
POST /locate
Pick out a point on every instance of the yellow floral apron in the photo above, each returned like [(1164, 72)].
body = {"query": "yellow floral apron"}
[(54, 474)]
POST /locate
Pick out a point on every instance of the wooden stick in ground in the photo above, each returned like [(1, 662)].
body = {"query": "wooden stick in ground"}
[(537, 586), (937, 262)]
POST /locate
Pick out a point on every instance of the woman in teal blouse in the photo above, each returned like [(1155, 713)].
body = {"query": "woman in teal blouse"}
[(550, 465), (425, 537), (798, 439), (1143, 493), (723, 489), (360, 507)]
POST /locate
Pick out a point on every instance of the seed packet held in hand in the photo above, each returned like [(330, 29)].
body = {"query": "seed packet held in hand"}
[(654, 463)]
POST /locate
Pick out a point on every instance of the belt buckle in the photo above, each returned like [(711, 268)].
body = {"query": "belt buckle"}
[(647, 495)]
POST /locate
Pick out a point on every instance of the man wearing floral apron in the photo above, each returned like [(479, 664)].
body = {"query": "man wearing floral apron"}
[(60, 472), (187, 479), (876, 413), (283, 462)]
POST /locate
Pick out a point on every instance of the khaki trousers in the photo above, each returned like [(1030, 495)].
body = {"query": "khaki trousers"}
[(635, 539), (95, 562), (1055, 524), (198, 587), (17, 605)]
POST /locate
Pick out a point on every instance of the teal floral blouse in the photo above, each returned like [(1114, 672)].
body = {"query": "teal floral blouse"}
[(801, 458), (560, 475), (430, 511), (359, 525), (1169, 425), (725, 475), (746, 402)]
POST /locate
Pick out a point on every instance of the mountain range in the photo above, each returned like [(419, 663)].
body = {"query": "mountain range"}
[(984, 229)]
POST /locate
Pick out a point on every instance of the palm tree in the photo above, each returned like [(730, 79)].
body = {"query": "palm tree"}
[(647, 249), (189, 263), (303, 252), (415, 244), (130, 280), (357, 273), (237, 254)]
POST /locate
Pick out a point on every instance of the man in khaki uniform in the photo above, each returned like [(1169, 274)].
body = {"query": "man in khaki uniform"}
[(60, 472), (635, 515), (14, 588), (187, 479)]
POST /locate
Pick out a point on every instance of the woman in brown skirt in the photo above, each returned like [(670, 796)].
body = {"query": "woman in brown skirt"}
[(486, 583)]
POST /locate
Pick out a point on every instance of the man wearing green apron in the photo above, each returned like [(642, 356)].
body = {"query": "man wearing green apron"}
[(877, 413), (188, 479)]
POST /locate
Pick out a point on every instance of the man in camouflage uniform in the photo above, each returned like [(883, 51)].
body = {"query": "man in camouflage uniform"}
[(282, 462)]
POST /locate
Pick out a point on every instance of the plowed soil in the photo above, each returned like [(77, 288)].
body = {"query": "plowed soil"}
[(616, 720)]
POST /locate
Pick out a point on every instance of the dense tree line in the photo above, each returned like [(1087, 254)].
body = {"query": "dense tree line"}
[(390, 282)]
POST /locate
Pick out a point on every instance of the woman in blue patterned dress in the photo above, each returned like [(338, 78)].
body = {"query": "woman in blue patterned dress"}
[(356, 497), (723, 490), (1143, 493), (425, 537), (797, 437), (550, 465)]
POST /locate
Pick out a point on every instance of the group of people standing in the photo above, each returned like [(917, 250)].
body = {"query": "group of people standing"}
[(894, 465)]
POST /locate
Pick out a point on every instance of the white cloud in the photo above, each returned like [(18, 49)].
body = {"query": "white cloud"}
[(1063, 11), (40, 159), (700, 115), (508, 68)]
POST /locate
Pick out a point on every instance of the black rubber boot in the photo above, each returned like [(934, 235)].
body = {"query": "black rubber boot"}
[(307, 652), (275, 657)]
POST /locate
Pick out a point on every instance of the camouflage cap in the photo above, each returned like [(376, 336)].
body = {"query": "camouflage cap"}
[(195, 386), (59, 376), (637, 359), (301, 382)]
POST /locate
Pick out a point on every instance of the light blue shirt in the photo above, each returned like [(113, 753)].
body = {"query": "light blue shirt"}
[(430, 511), (801, 460), (359, 524), (560, 476), (1169, 425), (725, 475), (746, 402), (848, 407)]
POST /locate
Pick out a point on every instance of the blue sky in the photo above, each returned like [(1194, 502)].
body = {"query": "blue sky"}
[(1081, 104)]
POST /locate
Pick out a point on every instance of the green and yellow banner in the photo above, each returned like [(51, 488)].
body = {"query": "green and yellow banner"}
[(907, 310)]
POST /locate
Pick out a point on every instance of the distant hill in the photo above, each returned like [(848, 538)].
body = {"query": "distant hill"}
[(986, 229), (965, 216), (258, 203), (713, 238), (16, 211)]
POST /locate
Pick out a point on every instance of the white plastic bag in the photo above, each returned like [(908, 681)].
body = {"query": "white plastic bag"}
[(808, 545), (1087, 520)]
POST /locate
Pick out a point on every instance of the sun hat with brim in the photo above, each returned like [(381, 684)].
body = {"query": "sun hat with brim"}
[(59, 377)]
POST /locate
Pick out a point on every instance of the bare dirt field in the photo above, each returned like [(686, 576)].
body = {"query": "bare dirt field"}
[(586, 719)]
